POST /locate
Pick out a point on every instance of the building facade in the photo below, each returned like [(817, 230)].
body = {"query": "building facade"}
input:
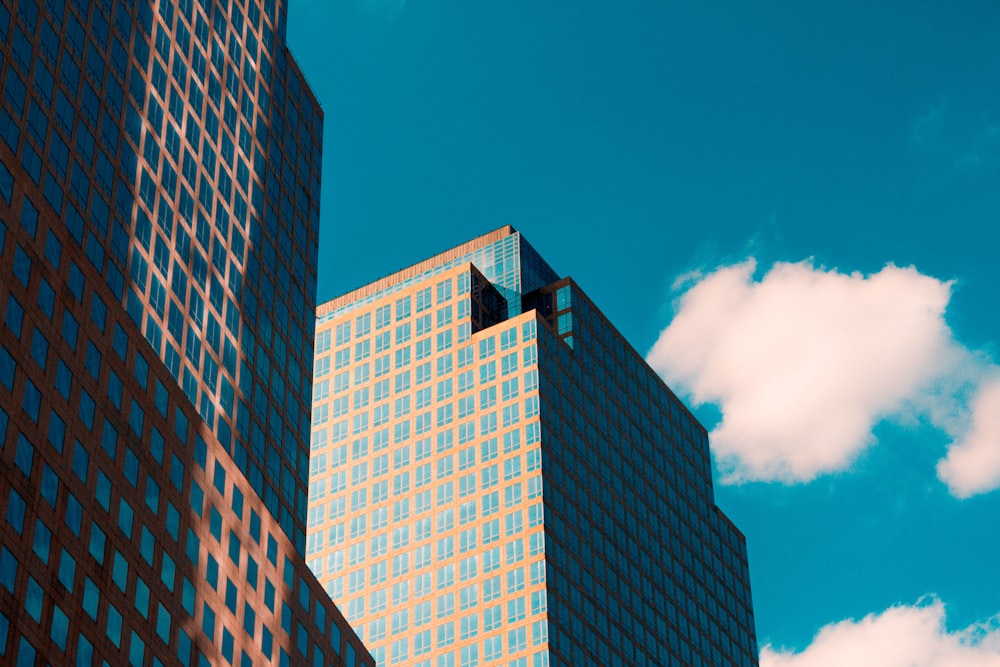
[(498, 478), (159, 180)]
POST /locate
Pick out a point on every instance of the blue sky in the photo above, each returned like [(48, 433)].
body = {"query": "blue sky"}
[(638, 142)]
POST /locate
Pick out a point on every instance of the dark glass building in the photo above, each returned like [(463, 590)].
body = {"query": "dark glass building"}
[(498, 478), (159, 180)]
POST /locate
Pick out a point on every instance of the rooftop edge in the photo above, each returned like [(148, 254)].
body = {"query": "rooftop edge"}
[(415, 269)]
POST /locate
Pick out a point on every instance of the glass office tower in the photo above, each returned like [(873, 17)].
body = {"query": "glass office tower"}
[(159, 175), (498, 478)]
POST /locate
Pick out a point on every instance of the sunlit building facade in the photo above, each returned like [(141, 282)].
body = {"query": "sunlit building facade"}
[(159, 180), (498, 478)]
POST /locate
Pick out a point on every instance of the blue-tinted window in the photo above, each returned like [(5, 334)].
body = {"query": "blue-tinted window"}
[(64, 379), (114, 627), (91, 596), (39, 348), (125, 516), (109, 440), (74, 514), (32, 400), (42, 541), (76, 281), (15, 511), (46, 297), (103, 490), (29, 217), (7, 367), (215, 524), (70, 329), (177, 474), (15, 315), (50, 486), (8, 574), (208, 620), (6, 179), (31, 162), (147, 546), (120, 345), (98, 312), (24, 456), (53, 249), (131, 467), (81, 461)]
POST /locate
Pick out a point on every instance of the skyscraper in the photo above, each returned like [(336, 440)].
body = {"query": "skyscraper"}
[(159, 175), (497, 477)]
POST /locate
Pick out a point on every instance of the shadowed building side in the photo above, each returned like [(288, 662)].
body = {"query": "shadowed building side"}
[(159, 164)]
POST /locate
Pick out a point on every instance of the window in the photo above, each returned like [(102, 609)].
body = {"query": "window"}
[(403, 308), (467, 485), (489, 476), (491, 503), (362, 325), (466, 381), (445, 603), (444, 290), (492, 618), (444, 318), (382, 316), (512, 495), (512, 468), (423, 299), (466, 406), (513, 523), (423, 324), (343, 333), (15, 316), (509, 389), (403, 333), (422, 611), (469, 626), (491, 533), (516, 638), (488, 372)]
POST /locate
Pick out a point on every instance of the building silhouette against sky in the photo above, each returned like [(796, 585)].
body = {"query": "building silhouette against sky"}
[(159, 183), (498, 478)]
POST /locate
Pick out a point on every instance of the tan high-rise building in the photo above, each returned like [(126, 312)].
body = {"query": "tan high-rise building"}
[(497, 478)]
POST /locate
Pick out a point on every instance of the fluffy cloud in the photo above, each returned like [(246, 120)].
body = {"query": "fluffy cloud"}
[(804, 362), (904, 636), (973, 462)]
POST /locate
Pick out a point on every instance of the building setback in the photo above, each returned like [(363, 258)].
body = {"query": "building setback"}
[(159, 176), (498, 478)]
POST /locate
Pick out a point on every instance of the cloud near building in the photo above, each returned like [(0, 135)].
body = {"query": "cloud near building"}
[(901, 636), (805, 361)]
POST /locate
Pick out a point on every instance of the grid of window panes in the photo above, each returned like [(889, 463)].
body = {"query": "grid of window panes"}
[(425, 487), (155, 169), (644, 568), (510, 263), (183, 154), (127, 529)]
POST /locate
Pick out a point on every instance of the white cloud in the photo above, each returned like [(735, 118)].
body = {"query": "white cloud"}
[(973, 462), (805, 361), (903, 636)]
